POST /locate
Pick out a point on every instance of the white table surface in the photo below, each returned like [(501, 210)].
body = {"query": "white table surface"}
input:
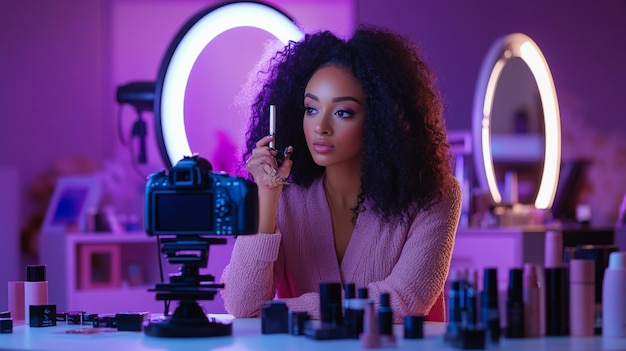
[(247, 336)]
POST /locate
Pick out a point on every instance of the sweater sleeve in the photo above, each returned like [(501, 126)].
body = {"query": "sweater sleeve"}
[(418, 278), (249, 277)]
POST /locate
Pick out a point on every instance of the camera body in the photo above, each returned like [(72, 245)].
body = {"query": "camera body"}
[(193, 200)]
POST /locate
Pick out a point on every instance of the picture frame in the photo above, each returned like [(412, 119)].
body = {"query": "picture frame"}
[(73, 198), (99, 266)]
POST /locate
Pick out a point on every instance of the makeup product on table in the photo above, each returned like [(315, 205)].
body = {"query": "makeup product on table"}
[(453, 329), (385, 321), (35, 289), (331, 306), (42, 316), (556, 281), (414, 327), (353, 310), (515, 305), (600, 255), (332, 324), (614, 297), (471, 299), (16, 300), (370, 339), (489, 305), (6, 325), (274, 317), (349, 293), (532, 302), (582, 297)]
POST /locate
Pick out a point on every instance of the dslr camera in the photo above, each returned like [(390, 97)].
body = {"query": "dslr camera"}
[(190, 199)]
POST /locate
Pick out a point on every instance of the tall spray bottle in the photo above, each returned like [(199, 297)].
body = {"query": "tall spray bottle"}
[(614, 299)]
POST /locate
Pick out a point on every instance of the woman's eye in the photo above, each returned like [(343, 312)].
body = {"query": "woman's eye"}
[(344, 113), (309, 110)]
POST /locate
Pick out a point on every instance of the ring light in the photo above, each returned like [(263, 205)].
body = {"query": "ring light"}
[(503, 50), (183, 52)]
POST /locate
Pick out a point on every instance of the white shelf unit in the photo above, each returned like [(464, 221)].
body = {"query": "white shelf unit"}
[(61, 253)]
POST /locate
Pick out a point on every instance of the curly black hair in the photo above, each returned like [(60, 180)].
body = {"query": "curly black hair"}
[(405, 161)]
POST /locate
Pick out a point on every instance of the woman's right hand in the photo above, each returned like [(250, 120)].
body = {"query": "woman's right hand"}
[(264, 168), (270, 179)]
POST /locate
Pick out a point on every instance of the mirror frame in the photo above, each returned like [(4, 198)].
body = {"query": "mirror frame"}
[(183, 52), (502, 50)]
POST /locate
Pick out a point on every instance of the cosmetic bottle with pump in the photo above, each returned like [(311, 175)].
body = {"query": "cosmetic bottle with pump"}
[(614, 297), (35, 289)]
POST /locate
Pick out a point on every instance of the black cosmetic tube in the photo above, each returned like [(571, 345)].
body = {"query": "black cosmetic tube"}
[(489, 305), (331, 306), (557, 301), (515, 305), (385, 315)]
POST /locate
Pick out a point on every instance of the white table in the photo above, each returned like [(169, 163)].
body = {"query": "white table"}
[(247, 336)]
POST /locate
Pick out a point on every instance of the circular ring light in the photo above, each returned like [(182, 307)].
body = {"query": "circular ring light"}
[(504, 49), (183, 52)]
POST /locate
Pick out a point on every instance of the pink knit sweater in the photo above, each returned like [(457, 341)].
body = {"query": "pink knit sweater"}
[(410, 262)]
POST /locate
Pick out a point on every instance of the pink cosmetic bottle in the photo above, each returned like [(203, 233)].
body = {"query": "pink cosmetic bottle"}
[(553, 254), (35, 289), (532, 302), (370, 339), (614, 297), (16, 300), (582, 297)]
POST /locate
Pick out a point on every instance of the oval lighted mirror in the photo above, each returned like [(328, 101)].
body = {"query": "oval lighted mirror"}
[(516, 124)]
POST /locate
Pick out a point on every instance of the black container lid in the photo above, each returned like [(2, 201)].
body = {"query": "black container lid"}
[(490, 288), (349, 290), (363, 293), (516, 289), (36, 273), (384, 300)]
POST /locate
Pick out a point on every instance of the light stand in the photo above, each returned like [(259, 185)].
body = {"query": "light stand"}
[(189, 286), (140, 95)]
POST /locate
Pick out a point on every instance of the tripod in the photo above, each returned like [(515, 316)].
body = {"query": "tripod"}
[(187, 287)]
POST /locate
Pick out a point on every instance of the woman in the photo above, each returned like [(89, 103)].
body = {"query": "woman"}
[(365, 193)]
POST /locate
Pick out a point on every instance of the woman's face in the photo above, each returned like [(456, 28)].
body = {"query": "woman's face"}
[(333, 117)]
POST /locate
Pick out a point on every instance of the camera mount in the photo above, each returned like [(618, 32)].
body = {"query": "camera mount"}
[(187, 287)]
